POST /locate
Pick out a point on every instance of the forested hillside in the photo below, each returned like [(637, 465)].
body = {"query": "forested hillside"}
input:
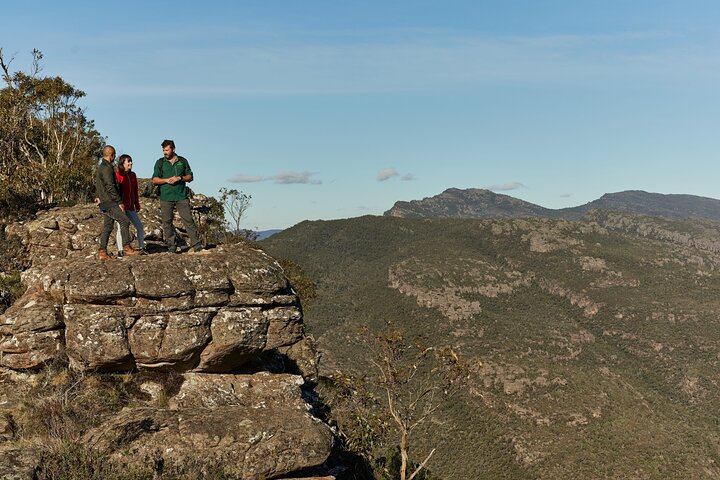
[(593, 346)]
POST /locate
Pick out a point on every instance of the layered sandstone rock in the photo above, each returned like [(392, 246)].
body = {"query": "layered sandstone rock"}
[(208, 312), (192, 320)]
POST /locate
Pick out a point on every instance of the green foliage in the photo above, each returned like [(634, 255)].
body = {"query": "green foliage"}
[(358, 410), (12, 284), (625, 390), (212, 226), (48, 147), (13, 254), (303, 284), (388, 467)]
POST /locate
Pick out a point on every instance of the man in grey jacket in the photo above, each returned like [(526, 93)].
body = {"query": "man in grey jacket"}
[(108, 191)]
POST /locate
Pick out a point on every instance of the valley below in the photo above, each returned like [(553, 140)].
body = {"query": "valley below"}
[(593, 344)]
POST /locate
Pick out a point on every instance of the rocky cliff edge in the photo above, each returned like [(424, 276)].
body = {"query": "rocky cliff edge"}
[(214, 320)]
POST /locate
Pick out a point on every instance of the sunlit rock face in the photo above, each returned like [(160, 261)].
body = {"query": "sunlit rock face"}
[(212, 311), (256, 426)]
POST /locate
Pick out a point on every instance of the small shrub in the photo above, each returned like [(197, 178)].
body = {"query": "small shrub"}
[(303, 284), (11, 288), (13, 254)]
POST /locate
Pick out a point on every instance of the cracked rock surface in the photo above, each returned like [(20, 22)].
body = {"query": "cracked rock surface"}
[(208, 312)]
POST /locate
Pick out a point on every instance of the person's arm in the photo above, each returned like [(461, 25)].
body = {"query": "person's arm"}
[(157, 175), (137, 193), (188, 174), (162, 181)]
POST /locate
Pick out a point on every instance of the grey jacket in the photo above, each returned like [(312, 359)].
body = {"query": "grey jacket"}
[(107, 188)]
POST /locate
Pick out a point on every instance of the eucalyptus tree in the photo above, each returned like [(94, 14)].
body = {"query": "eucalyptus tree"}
[(48, 146)]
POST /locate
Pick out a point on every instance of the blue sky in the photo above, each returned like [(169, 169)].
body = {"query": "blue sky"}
[(332, 109)]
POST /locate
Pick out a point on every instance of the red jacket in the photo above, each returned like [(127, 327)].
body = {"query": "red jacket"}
[(129, 187)]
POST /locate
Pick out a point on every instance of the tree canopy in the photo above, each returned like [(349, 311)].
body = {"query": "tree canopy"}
[(48, 147)]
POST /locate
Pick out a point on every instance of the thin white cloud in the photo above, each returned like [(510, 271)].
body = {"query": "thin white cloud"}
[(250, 63), (295, 177), (566, 195), (283, 178), (246, 179), (386, 173), (503, 187)]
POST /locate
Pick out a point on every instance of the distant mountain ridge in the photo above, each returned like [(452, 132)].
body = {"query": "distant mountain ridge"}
[(481, 203)]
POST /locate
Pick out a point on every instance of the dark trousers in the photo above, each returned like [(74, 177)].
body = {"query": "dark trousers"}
[(110, 216), (183, 209)]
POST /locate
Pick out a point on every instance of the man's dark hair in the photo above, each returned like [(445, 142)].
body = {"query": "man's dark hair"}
[(121, 162), (168, 142)]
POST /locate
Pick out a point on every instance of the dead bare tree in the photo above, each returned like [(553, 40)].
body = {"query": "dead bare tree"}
[(412, 382), (416, 380)]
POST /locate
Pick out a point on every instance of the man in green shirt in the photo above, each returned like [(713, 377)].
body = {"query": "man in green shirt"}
[(172, 172)]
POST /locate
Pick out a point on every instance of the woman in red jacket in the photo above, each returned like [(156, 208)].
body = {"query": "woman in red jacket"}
[(130, 198)]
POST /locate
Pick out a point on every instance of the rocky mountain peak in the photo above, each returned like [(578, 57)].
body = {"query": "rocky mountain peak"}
[(467, 203), (480, 203)]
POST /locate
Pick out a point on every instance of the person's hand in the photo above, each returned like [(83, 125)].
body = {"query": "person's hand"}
[(122, 207)]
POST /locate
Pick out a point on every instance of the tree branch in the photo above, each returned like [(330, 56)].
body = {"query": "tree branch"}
[(422, 465)]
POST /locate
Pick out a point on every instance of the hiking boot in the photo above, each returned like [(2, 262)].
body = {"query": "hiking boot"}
[(120, 254), (143, 252), (129, 251), (103, 255)]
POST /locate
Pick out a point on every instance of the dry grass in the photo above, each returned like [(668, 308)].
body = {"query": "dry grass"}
[(63, 405)]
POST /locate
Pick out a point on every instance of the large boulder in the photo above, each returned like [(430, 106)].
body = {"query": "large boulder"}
[(256, 426), (212, 311)]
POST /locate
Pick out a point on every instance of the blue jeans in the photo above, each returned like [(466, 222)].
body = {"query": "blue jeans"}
[(135, 220)]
